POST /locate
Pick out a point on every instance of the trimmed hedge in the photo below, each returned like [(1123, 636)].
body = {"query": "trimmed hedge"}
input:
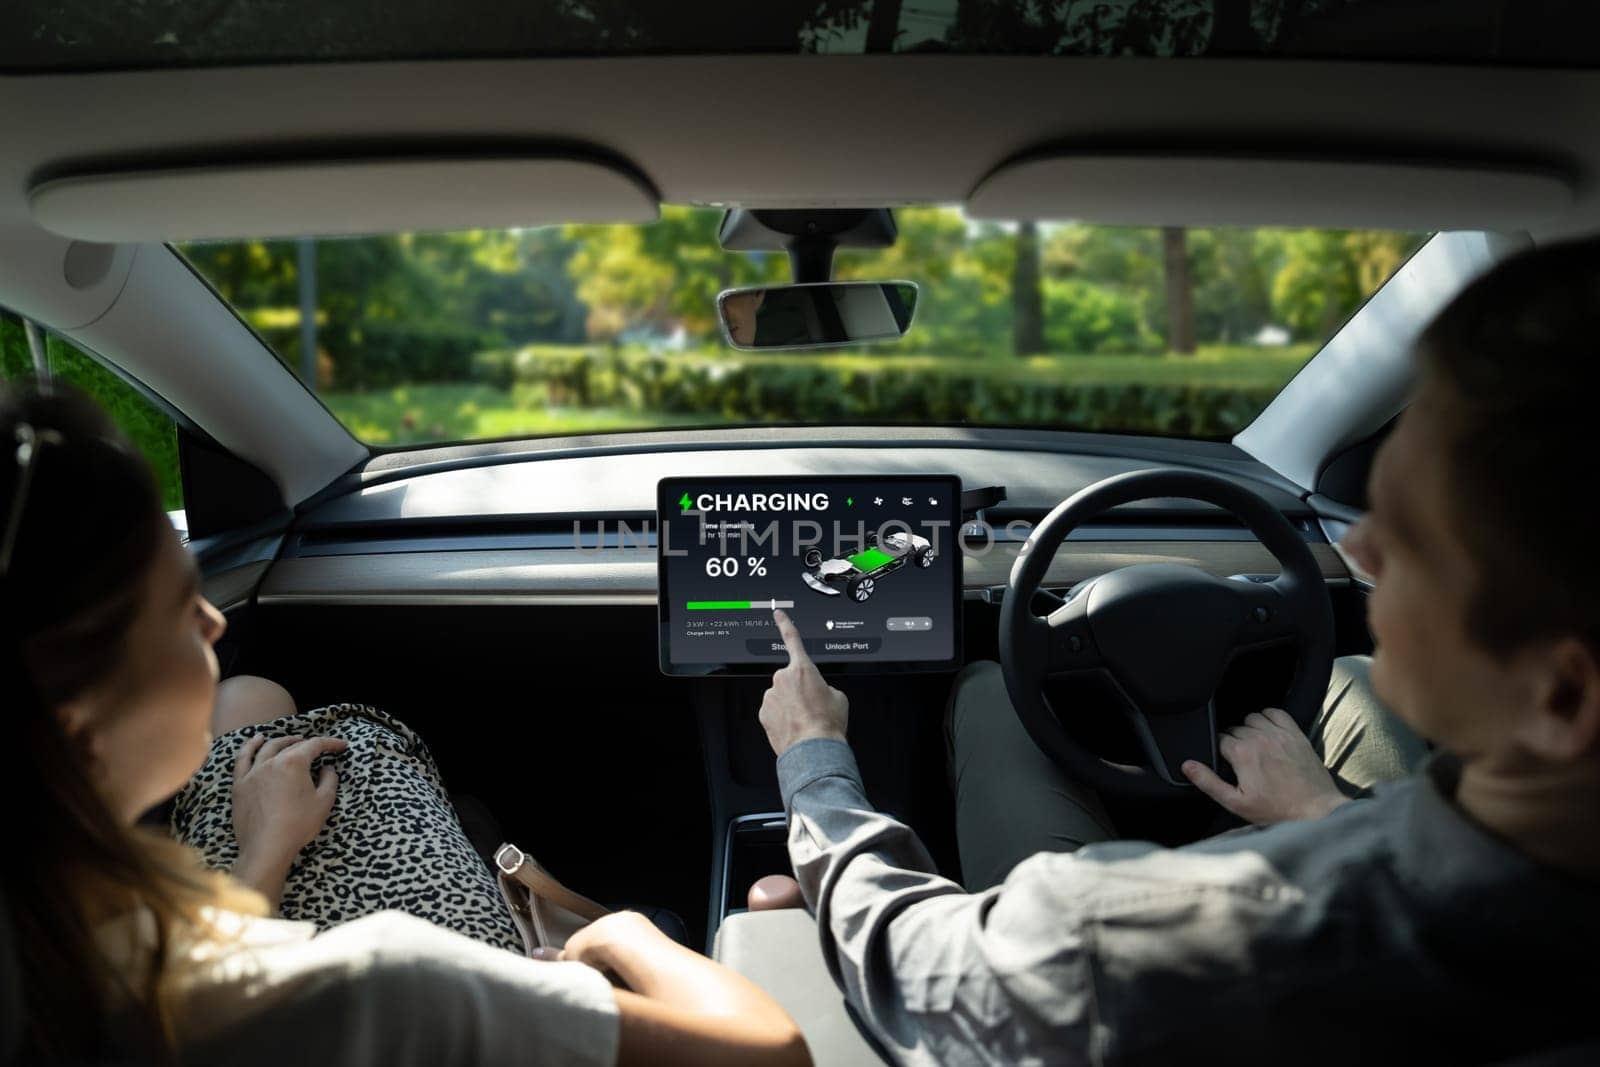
[(903, 389), (382, 354)]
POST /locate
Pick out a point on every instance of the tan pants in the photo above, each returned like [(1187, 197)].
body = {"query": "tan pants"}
[(1013, 801)]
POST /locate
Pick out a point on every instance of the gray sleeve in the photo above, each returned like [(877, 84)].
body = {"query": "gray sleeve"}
[(937, 974), (1121, 950)]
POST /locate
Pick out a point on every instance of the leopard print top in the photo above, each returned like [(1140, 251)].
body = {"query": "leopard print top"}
[(393, 840)]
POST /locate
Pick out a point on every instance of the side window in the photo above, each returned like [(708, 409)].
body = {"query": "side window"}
[(26, 354)]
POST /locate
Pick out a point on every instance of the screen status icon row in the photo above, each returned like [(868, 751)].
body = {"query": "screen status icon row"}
[(906, 501)]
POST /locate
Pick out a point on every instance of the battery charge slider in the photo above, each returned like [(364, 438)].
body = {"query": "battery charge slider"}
[(737, 605)]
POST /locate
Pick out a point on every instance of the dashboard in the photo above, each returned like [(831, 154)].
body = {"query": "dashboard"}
[(577, 525)]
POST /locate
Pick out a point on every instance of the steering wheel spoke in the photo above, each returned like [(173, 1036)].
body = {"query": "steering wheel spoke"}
[(1266, 615), (1071, 647), (1172, 737)]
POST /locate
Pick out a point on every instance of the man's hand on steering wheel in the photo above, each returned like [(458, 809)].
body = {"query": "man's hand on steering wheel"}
[(800, 705), (1280, 776)]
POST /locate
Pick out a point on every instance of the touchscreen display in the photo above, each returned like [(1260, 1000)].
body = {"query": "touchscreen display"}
[(868, 568)]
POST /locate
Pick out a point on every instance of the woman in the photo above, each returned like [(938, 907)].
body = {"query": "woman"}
[(128, 948)]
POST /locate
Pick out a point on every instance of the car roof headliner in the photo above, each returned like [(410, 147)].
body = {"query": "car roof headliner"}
[(805, 130)]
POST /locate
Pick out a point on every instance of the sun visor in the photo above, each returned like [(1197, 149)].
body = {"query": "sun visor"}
[(332, 198), (1173, 190)]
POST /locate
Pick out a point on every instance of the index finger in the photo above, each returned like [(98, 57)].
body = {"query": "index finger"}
[(1212, 785), (791, 638)]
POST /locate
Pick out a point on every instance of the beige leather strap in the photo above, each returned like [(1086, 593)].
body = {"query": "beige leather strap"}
[(516, 864)]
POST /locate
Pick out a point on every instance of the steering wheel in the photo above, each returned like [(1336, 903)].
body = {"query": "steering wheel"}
[(1163, 633)]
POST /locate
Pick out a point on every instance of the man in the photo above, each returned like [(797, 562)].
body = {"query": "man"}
[(1453, 915), (739, 312)]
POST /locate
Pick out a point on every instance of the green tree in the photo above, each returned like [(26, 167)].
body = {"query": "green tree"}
[(1083, 318), (664, 275), (1124, 260), (1231, 271), (1326, 274), (406, 307), (964, 272)]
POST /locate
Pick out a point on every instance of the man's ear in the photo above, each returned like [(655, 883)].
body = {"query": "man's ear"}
[(1565, 723)]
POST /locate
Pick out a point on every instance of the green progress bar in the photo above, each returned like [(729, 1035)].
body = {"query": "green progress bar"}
[(736, 605)]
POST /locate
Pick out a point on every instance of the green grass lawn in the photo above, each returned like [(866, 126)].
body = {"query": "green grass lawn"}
[(476, 411)]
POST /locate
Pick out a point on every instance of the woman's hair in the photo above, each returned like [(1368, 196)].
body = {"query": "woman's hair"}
[(83, 525)]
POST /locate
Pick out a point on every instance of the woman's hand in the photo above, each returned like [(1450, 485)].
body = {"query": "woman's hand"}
[(277, 808), (620, 934), (677, 1007), (1280, 775)]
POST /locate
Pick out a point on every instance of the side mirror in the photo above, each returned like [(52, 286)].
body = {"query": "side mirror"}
[(817, 315)]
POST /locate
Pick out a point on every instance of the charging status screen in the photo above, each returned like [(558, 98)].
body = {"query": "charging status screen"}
[(868, 568)]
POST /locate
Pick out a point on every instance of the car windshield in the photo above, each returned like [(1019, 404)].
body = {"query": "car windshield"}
[(417, 338)]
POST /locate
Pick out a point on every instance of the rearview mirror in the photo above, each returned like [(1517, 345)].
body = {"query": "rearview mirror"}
[(817, 315)]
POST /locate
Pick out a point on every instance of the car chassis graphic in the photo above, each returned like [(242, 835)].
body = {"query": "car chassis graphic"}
[(856, 576)]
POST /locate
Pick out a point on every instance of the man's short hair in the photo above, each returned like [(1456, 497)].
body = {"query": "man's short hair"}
[(1516, 354)]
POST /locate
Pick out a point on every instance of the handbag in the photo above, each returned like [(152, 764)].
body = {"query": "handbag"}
[(546, 913)]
